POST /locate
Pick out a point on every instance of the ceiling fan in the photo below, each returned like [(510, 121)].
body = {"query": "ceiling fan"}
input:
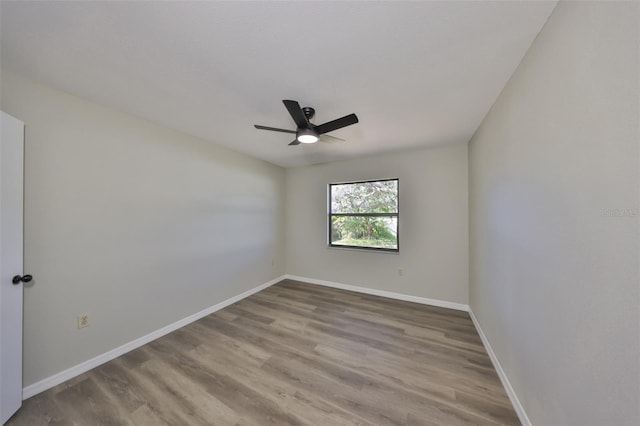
[(308, 132)]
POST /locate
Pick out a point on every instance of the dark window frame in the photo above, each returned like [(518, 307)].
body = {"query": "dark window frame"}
[(330, 215)]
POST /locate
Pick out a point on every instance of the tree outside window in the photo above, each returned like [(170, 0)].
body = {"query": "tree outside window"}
[(364, 215)]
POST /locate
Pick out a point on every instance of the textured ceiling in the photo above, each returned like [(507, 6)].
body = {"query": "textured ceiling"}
[(415, 73)]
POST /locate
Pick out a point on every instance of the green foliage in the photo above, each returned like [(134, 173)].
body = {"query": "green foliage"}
[(366, 197), (363, 227)]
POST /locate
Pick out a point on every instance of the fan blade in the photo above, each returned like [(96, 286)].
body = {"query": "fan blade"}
[(336, 124), (273, 129), (330, 139), (295, 142), (296, 113)]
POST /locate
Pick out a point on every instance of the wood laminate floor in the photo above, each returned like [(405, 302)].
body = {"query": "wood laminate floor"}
[(293, 354)]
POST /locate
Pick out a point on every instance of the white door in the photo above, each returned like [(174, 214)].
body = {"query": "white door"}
[(11, 274)]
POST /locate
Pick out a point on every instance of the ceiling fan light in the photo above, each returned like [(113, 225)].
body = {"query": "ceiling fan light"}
[(307, 139), (307, 136)]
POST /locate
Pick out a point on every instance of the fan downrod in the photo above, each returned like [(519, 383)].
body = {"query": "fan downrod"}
[(308, 112)]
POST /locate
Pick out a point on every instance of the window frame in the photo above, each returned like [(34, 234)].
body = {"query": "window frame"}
[(330, 215)]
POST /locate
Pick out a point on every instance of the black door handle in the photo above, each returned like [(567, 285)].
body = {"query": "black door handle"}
[(18, 279)]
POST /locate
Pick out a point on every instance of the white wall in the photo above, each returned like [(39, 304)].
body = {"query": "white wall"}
[(135, 224), (554, 272), (433, 224)]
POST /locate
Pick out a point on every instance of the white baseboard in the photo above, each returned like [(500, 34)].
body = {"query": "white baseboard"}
[(83, 367), (522, 415), (389, 294)]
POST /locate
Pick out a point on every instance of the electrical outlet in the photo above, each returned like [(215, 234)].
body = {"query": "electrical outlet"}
[(400, 272), (83, 321)]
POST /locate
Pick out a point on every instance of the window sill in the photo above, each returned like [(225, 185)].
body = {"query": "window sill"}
[(361, 249)]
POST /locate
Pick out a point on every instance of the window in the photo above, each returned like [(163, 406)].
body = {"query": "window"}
[(364, 215)]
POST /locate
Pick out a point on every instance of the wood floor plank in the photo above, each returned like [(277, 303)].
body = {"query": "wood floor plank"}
[(87, 401), (160, 398), (293, 354), (307, 407)]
